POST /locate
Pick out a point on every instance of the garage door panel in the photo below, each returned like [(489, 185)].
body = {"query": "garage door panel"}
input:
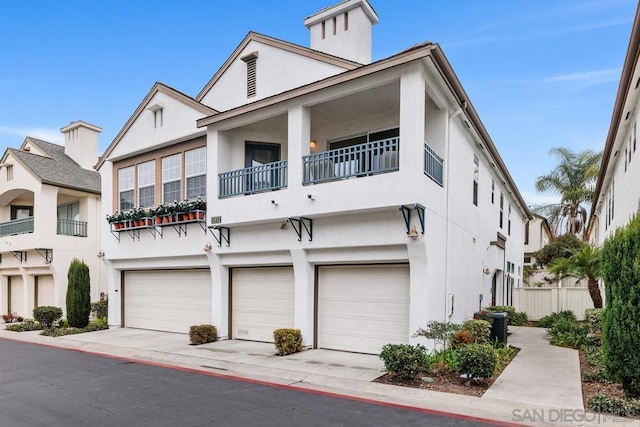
[(167, 300), (17, 295), (362, 308), (263, 300)]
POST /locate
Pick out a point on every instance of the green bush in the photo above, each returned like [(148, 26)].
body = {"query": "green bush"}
[(202, 334), (63, 323), (461, 338), (602, 402), (439, 332), (100, 308), (520, 319), (445, 361), (479, 330), (47, 315), (511, 311), (505, 355), (593, 318), (405, 360), (27, 325), (78, 294), (620, 263), (477, 361), (568, 333), (287, 341), (549, 320), (97, 325)]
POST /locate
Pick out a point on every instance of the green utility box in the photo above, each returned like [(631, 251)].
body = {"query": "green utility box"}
[(498, 327)]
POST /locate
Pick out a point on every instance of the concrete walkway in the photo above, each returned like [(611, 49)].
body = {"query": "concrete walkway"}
[(539, 383), (541, 374)]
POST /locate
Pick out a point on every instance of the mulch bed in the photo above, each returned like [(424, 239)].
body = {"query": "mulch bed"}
[(448, 383)]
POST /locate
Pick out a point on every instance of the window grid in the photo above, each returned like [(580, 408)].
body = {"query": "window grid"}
[(171, 172), (146, 184), (501, 209), (126, 188), (476, 175), (195, 173)]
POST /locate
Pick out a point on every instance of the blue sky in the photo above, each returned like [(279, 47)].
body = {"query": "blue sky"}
[(541, 74)]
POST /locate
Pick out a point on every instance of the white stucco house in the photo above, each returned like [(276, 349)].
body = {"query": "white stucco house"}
[(49, 214), (537, 234), (617, 193), (351, 199)]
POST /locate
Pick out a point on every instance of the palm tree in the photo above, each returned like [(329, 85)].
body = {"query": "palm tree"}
[(584, 264), (573, 179)]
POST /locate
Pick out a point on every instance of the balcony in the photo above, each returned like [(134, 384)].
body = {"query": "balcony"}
[(17, 226), (366, 159), (433, 165), (255, 179), (69, 227)]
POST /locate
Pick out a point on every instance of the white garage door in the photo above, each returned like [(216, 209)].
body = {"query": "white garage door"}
[(46, 291), (167, 300), (17, 295), (262, 301), (362, 308)]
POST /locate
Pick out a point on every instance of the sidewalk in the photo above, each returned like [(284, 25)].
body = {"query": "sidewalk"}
[(539, 384)]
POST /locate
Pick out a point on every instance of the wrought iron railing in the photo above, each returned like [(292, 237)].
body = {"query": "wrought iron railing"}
[(70, 227), (17, 226), (255, 179), (370, 158), (433, 165)]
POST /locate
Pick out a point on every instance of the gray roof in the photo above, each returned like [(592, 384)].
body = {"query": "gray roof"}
[(58, 169)]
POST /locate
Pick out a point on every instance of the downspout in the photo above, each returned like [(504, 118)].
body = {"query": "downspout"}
[(452, 116)]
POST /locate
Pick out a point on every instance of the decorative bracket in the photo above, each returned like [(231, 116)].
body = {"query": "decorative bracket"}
[(221, 234), (406, 214), (299, 223), (420, 211), (47, 254), (20, 255)]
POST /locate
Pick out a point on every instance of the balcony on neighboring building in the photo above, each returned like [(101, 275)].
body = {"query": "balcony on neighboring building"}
[(70, 227), (16, 226)]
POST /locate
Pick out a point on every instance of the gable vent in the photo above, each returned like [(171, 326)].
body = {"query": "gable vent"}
[(251, 60)]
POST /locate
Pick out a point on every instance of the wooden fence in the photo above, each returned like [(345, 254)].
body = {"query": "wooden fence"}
[(539, 302)]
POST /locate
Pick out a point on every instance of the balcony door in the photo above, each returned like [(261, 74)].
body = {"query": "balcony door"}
[(69, 219), (258, 157), (21, 212), (365, 160)]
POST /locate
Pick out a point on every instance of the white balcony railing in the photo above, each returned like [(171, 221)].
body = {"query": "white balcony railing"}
[(370, 158)]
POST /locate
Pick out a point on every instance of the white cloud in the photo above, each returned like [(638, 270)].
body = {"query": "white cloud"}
[(540, 199), (587, 77), (49, 135)]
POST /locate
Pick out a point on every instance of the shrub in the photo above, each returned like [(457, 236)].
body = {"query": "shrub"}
[(10, 318), (202, 334), (520, 319), (461, 338), (439, 332), (27, 325), (97, 325), (47, 315), (405, 360), (63, 323), (621, 320), (568, 333), (445, 361), (287, 341), (549, 320), (505, 355), (78, 294), (479, 330), (100, 308), (593, 318), (602, 402), (477, 361), (502, 309)]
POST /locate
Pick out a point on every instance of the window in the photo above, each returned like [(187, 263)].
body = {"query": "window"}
[(69, 220), (126, 188), (158, 118), (346, 21), (509, 220), (634, 136), (195, 168), (613, 200), (9, 172), (493, 191), (324, 29), (501, 208), (21, 212), (70, 211), (146, 184), (171, 173), (526, 233), (527, 260), (476, 173), (625, 159)]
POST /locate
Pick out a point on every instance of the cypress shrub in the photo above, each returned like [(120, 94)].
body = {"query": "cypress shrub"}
[(621, 320), (78, 294)]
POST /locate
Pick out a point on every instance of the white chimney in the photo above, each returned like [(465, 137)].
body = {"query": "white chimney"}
[(81, 143), (344, 30)]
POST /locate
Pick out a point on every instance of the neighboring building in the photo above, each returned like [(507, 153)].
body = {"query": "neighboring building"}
[(50, 213), (537, 233), (354, 201), (617, 194)]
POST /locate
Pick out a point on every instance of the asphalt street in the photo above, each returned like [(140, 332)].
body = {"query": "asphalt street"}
[(45, 386)]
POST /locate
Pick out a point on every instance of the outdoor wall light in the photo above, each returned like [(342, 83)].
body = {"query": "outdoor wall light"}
[(311, 197), (207, 247), (101, 254), (312, 144), (413, 234), (486, 270), (274, 202)]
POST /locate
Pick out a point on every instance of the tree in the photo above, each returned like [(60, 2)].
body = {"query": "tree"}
[(78, 294), (621, 320), (561, 247), (573, 179), (584, 264)]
